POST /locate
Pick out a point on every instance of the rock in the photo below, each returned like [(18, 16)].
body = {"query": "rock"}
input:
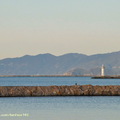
[(75, 90)]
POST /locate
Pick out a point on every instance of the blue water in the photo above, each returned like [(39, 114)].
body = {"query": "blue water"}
[(59, 108), (48, 81)]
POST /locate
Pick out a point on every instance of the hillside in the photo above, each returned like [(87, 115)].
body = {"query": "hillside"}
[(72, 63)]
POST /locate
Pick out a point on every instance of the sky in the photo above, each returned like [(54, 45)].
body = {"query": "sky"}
[(58, 27)]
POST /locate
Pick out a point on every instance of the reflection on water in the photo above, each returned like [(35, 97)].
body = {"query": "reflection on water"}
[(61, 108)]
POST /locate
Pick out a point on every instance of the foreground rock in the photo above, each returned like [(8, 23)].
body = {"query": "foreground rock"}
[(75, 90)]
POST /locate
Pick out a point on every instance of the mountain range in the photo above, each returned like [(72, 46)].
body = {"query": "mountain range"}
[(68, 64)]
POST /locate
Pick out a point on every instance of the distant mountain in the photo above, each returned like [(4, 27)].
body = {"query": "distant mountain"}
[(72, 64)]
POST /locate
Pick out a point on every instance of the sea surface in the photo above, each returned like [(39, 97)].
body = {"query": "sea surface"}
[(59, 108), (48, 81)]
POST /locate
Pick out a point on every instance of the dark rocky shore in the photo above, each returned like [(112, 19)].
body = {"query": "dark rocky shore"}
[(75, 90)]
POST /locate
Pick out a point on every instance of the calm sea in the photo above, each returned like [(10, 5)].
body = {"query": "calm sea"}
[(58, 108), (47, 81)]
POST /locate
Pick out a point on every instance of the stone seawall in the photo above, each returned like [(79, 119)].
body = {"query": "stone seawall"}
[(75, 90)]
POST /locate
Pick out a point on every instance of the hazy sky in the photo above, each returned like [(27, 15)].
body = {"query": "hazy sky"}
[(58, 27)]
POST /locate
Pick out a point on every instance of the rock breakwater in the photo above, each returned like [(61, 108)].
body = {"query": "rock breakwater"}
[(75, 90)]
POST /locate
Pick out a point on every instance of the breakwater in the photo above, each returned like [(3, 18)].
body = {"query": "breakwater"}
[(75, 90), (106, 77)]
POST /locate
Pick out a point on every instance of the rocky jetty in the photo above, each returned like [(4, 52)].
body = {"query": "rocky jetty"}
[(75, 90), (106, 77)]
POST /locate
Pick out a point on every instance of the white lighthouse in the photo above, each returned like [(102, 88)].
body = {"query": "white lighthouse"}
[(103, 70)]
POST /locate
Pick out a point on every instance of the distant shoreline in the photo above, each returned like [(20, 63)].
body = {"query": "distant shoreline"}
[(46, 76), (92, 76)]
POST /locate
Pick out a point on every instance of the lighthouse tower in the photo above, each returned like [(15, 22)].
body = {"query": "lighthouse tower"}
[(103, 70)]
